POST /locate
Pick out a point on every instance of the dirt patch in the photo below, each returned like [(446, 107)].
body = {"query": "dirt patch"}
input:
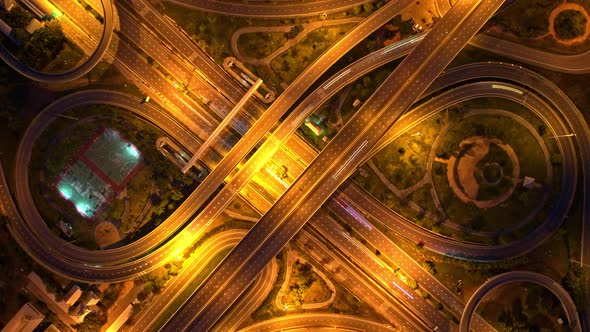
[(106, 233), (474, 150)]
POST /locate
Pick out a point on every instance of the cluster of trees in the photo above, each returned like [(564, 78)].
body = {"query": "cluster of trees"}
[(514, 319), (570, 24), (53, 287), (367, 8), (405, 27), (17, 17), (43, 46), (304, 278), (430, 267), (92, 322), (576, 283), (155, 281), (295, 30), (534, 12), (268, 310)]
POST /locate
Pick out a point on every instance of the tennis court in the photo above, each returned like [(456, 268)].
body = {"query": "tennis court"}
[(86, 190), (101, 168), (112, 155)]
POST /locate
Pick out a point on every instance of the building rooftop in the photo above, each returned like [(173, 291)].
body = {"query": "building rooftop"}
[(25, 320)]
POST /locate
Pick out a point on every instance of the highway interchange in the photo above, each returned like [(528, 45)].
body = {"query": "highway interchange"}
[(123, 264)]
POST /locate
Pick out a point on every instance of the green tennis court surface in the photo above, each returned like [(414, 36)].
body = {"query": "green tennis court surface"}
[(98, 171)]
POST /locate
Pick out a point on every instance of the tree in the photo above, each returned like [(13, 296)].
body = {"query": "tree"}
[(44, 45), (20, 35), (176, 195), (92, 323), (430, 267), (575, 283), (411, 283), (18, 18), (51, 288), (173, 270)]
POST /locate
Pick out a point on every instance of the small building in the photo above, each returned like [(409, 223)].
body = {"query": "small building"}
[(79, 312), (25, 320), (65, 228), (33, 26), (528, 182), (52, 328), (119, 321), (72, 295), (314, 124), (91, 300), (6, 4)]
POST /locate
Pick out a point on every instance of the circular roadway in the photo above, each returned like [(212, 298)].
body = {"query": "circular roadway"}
[(72, 74), (518, 276)]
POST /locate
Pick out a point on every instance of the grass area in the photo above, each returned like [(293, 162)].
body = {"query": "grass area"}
[(12, 262), (212, 32), (306, 286), (423, 197), (241, 206), (531, 160), (344, 301), (404, 160), (551, 258), (566, 27), (530, 155), (267, 309), (47, 49), (535, 13), (68, 58), (363, 88), (153, 193), (369, 181), (189, 290), (347, 303), (522, 306), (259, 45), (491, 219), (291, 63)]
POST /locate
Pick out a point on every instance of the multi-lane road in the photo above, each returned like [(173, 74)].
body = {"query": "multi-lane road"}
[(276, 10), (333, 165), (107, 259), (330, 321), (152, 260)]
